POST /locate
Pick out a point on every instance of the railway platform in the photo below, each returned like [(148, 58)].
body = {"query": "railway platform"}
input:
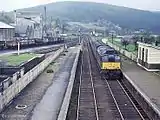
[(148, 83)]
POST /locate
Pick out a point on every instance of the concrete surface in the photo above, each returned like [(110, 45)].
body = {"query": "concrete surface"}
[(147, 82), (49, 106), (66, 101)]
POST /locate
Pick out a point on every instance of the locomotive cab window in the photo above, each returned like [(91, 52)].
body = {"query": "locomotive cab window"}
[(110, 52)]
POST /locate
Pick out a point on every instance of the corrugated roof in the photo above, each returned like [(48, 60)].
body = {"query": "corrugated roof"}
[(4, 25)]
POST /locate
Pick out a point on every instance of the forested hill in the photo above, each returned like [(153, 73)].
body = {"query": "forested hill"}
[(86, 11)]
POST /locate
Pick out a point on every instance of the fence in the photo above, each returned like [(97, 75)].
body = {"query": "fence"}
[(130, 55)]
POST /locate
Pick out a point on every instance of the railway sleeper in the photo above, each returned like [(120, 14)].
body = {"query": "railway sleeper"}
[(139, 101)]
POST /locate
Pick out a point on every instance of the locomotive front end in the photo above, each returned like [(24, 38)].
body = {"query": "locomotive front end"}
[(111, 65)]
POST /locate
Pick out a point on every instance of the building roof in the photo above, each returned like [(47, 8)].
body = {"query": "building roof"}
[(27, 13), (149, 45), (4, 25), (34, 16)]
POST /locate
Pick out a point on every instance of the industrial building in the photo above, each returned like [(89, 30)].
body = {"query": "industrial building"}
[(148, 56)]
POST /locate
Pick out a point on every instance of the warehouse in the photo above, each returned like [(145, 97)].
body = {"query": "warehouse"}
[(148, 56), (7, 32)]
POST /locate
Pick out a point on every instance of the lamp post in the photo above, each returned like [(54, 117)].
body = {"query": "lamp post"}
[(18, 47)]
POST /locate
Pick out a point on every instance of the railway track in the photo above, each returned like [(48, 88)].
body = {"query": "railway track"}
[(101, 99), (87, 105), (127, 107)]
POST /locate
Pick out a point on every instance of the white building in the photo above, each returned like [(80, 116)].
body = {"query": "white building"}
[(7, 32), (57, 31), (148, 56), (29, 24)]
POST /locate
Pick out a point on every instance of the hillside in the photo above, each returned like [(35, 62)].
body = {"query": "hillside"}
[(86, 11), (5, 18)]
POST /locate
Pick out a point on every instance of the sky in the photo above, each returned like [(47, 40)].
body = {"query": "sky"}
[(152, 5)]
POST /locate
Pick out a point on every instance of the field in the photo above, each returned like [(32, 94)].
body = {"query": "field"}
[(15, 59), (116, 41)]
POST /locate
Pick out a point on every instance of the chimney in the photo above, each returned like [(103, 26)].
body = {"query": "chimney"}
[(15, 17)]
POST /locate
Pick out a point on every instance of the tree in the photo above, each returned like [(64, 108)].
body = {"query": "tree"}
[(124, 43), (157, 40), (149, 40), (63, 28), (141, 39), (112, 37), (58, 23), (135, 40), (146, 37), (156, 43), (152, 39), (106, 32), (146, 40), (5, 19)]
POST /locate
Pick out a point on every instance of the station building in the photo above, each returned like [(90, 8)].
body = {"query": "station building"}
[(148, 56)]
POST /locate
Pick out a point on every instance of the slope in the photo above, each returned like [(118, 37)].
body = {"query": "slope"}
[(87, 11)]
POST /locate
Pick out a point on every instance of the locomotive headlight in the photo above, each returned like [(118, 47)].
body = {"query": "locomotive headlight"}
[(117, 58), (105, 58)]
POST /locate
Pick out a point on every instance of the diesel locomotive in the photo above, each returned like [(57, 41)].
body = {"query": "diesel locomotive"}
[(108, 59)]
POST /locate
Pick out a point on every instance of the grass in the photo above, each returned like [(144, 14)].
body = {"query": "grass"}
[(87, 25), (15, 60), (129, 48)]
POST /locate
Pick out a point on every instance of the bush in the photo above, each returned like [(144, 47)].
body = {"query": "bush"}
[(50, 71), (63, 54), (52, 63)]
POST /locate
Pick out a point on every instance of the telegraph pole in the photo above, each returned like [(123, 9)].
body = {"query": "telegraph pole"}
[(112, 38), (79, 35), (105, 32), (15, 17), (18, 47), (45, 18), (45, 14)]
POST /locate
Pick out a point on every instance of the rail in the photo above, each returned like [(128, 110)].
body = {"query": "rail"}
[(133, 109), (92, 88), (99, 98)]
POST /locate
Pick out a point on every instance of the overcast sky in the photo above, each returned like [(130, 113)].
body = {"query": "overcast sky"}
[(153, 5)]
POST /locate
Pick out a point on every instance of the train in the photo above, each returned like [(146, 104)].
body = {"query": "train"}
[(24, 43), (108, 60)]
